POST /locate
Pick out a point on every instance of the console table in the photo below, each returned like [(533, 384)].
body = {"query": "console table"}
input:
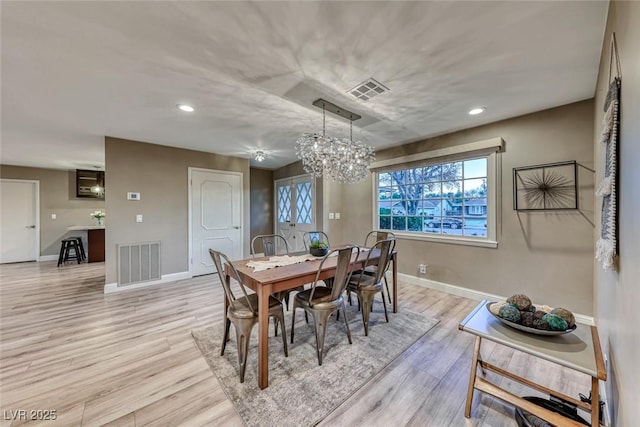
[(95, 240), (579, 350)]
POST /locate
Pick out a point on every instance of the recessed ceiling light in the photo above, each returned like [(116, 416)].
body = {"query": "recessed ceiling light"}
[(186, 108), (476, 111)]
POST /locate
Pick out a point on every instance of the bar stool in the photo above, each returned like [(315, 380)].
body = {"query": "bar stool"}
[(83, 256), (65, 247)]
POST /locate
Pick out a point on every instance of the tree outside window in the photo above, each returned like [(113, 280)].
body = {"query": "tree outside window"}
[(443, 199)]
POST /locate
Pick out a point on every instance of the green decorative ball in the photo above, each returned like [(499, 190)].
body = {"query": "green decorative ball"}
[(566, 315), (522, 301), (495, 308), (555, 322), (510, 312)]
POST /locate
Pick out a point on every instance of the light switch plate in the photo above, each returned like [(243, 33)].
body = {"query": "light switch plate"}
[(133, 196), (331, 215), (54, 216), (337, 215), (138, 218)]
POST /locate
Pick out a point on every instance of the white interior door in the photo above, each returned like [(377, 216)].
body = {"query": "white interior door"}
[(19, 225), (295, 209), (216, 217)]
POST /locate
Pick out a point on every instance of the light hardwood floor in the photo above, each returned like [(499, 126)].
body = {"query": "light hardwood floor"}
[(128, 359)]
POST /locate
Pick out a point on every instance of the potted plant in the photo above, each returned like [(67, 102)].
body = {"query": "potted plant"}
[(318, 248)]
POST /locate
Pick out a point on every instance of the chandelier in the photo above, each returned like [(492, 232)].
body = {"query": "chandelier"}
[(343, 160)]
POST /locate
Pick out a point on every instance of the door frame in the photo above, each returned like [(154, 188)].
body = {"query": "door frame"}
[(189, 212), (36, 253)]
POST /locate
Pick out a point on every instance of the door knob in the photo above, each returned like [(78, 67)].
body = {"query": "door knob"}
[(236, 227)]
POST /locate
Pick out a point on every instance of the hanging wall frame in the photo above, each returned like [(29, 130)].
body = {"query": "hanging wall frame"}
[(552, 186), (607, 244)]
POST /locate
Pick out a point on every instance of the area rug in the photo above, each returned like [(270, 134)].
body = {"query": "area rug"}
[(300, 392)]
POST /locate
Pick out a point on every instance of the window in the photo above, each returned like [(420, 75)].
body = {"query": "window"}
[(449, 201)]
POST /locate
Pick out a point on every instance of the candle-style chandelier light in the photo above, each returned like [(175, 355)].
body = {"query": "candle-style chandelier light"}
[(341, 159)]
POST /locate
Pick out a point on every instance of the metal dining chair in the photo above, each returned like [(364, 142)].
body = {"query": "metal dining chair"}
[(271, 244), (367, 286), (372, 237), (243, 312), (322, 301)]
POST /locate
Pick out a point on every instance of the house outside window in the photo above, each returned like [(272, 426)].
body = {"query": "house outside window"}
[(450, 201)]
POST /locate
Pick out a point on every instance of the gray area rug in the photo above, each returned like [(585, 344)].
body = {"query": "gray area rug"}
[(300, 392)]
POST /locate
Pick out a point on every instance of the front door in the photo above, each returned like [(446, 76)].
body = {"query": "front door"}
[(19, 221), (295, 209), (216, 217)]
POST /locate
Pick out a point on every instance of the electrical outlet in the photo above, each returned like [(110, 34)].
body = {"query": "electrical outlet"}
[(422, 268), (337, 215), (138, 218), (331, 215)]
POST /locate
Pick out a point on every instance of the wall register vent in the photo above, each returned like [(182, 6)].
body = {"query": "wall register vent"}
[(138, 262)]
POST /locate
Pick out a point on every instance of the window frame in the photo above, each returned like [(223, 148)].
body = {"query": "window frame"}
[(493, 189)]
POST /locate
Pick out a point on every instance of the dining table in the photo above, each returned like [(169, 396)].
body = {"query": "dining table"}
[(288, 277)]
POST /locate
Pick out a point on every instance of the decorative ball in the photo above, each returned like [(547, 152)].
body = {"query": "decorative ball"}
[(540, 324), (510, 312), (566, 315), (539, 314), (495, 308), (555, 322), (527, 318), (522, 301), (545, 308)]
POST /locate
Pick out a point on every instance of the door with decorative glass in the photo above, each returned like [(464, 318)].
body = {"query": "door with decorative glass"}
[(295, 209)]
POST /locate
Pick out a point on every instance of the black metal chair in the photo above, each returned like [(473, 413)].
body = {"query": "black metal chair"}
[(243, 312), (322, 301)]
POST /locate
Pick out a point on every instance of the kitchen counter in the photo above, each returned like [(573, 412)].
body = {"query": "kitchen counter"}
[(85, 227), (95, 241)]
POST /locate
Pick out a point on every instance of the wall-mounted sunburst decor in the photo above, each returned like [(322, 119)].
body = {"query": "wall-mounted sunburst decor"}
[(545, 187)]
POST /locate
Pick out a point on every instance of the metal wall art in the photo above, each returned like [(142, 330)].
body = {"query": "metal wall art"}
[(545, 187)]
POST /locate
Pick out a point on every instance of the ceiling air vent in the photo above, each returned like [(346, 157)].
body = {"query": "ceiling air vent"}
[(368, 89)]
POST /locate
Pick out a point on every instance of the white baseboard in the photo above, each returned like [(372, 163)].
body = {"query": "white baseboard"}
[(470, 293), (48, 258), (166, 278)]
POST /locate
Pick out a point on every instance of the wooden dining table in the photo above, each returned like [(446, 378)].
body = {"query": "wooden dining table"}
[(267, 282)]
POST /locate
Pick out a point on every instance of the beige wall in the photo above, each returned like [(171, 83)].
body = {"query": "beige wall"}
[(617, 294), (546, 255), (57, 196), (160, 175), (261, 201)]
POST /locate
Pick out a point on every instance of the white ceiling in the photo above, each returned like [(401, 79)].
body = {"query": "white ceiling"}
[(73, 72)]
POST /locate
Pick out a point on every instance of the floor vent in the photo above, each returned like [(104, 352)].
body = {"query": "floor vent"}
[(138, 262)]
